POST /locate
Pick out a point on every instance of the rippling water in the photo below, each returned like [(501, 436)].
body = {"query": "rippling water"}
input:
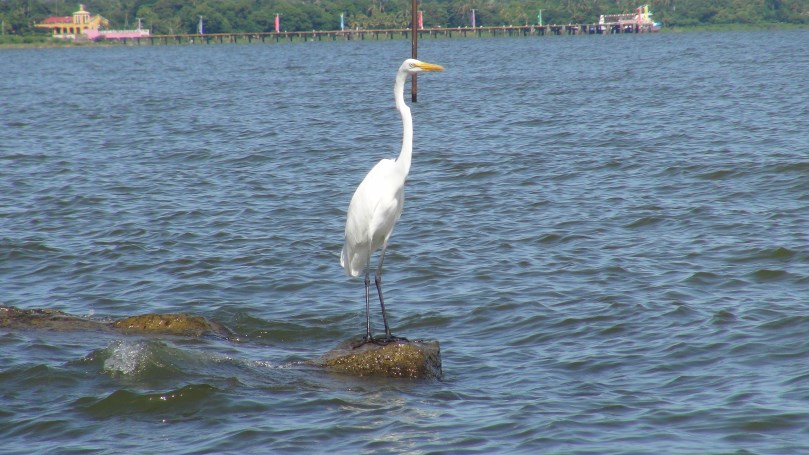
[(608, 235)]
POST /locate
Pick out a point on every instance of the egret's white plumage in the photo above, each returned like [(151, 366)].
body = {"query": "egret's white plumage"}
[(377, 203)]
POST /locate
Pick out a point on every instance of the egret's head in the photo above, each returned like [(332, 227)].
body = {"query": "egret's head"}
[(412, 65)]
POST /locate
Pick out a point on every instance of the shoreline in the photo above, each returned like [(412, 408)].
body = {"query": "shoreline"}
[(734, 28), (47, 42)]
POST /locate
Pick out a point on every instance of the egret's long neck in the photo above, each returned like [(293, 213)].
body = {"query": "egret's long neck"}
[(403, 161)]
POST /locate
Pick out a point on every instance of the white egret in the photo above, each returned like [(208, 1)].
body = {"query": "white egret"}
[(377, 203)]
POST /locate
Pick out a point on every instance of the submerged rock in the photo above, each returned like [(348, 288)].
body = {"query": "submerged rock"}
[(400, 359), (171, 324), (15, 318), (165, 324)]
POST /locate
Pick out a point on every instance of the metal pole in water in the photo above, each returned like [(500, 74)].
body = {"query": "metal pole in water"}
[(414, 44)]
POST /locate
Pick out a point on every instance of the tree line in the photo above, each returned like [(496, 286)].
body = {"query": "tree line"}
[(235, 16)]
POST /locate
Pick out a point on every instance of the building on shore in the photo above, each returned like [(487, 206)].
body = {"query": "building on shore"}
[(83, 25), (640, 21), (67, 27)]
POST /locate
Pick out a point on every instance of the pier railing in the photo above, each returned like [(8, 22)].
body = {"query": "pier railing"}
[(433, 32)]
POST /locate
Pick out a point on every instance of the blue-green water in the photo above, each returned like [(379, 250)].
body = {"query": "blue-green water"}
[(608, 235)]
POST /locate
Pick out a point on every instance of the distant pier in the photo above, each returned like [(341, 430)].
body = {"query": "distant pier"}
[(389, 34)]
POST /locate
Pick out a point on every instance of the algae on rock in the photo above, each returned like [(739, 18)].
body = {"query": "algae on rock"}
[(400, 358), (171, 324), (166, 324)]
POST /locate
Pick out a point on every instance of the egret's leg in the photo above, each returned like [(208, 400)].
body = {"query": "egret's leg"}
[(368, 336), (378, 280)]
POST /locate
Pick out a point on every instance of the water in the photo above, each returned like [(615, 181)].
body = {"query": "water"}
[(608, 235)]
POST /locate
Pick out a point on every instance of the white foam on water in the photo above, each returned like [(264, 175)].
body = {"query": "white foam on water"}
[(126, 357)]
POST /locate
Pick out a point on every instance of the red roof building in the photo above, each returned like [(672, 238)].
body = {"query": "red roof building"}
[(71, 27)]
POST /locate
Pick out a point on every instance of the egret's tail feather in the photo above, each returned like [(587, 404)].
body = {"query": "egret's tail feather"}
[(348, 265)]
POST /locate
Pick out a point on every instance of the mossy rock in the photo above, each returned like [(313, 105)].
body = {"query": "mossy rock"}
[(162, 324), (171, 324), (15, 318), (399, 359)]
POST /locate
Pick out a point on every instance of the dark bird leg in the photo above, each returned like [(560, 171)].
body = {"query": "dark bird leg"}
[(378, 280), (368, 336)]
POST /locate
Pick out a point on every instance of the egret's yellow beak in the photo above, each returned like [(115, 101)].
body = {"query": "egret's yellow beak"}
[(429, 66)]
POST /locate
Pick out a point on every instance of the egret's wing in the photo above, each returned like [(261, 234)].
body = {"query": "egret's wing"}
[(373, 211)]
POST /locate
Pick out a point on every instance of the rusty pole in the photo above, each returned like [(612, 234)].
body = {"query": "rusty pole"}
[(414, 45)]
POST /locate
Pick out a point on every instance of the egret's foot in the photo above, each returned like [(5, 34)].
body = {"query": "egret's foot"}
[(363, 341), (387, 339), (379, 341)]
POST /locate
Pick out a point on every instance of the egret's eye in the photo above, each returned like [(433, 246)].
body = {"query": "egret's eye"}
[(412, 65)]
